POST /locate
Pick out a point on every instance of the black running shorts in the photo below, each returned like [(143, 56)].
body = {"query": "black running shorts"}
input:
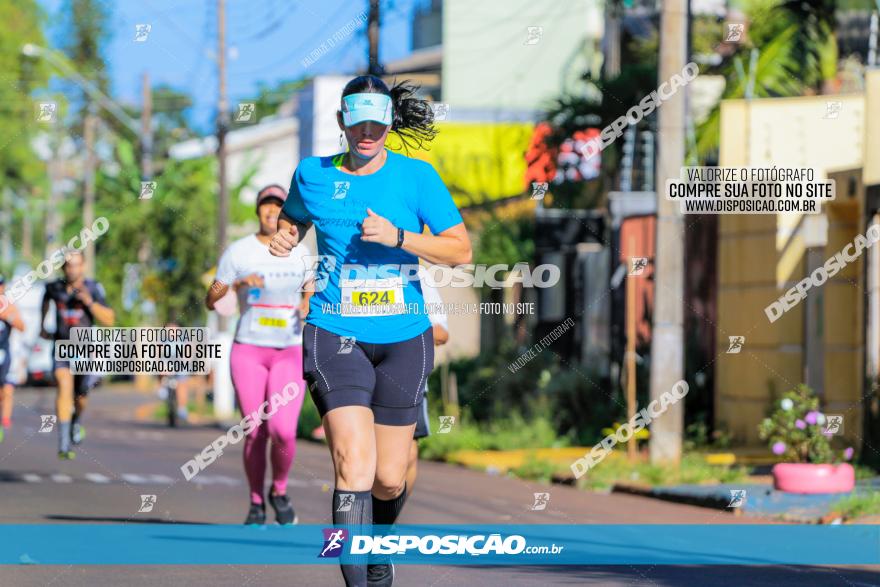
[(388, 378), (82, 383), (423, 428)]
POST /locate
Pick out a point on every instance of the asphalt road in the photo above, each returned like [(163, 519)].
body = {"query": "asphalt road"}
[(123, 458)]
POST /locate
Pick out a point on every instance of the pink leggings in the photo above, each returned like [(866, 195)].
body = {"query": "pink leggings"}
[(258, 373)]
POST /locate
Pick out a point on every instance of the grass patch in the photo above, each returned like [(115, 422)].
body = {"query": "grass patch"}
[(693, 469), (617, 469), (512, 432), (856, 506)]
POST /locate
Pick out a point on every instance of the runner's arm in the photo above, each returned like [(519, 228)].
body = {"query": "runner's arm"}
[(308, 292), (13, 317), (103, 315), (215, 292), (441, 335), (285, 223), (450, 247), (44, 309)]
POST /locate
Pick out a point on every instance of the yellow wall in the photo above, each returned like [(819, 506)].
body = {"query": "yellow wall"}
[(762, 256), (479, 161)]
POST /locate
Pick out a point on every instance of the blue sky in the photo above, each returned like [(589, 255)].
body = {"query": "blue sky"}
[(268, 39)]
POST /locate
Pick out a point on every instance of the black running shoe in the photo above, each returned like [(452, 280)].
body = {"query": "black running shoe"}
[(284, 513), (257, 514), (380, 575)]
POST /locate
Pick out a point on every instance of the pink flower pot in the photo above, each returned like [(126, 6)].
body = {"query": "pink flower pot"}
[(810, 478)]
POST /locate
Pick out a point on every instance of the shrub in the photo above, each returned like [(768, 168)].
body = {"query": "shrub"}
[(795, 430)]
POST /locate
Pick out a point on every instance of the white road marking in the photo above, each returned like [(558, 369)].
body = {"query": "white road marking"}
[(31, 478), (62, 478), (97, 478)]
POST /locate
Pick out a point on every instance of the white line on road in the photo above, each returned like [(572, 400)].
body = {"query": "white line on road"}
[(31, 478), (62, 478), (97, 478)]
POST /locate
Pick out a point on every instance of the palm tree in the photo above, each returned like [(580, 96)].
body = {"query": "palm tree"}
[(797, 54)]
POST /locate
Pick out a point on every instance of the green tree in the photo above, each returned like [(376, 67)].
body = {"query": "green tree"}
[(21, 24), (22, 174), (269, 98), (87, 32), (179, 226), (797, 54)]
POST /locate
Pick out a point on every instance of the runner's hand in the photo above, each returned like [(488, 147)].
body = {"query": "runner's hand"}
[(84, 296), (376, 229), (252, 280), (284, 241)]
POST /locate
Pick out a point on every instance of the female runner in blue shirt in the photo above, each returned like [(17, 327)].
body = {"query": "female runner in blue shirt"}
[(366, 352)]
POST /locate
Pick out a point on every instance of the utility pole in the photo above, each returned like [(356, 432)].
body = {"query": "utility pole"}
[(26, 226), (7, 227), (613, 16), (146, 128), (374, 68), (222, 124), (667, 340), (90, 125), (53, 220)]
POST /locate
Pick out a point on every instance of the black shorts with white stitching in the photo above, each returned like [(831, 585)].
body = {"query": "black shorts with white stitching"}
[(387, 378)]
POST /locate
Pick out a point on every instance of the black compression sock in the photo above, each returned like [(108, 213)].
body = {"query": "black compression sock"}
[(354, 509), (386, 511)]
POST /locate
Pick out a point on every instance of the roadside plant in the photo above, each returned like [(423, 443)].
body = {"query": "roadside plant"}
[(795, 430)]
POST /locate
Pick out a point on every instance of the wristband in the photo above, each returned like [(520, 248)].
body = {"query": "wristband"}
[(399, 238)]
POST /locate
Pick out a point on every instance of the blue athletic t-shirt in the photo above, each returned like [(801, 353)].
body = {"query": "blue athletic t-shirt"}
[(411, 195)]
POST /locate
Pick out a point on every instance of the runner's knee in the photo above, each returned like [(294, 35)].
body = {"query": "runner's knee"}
[(389, 481), (354, 466)]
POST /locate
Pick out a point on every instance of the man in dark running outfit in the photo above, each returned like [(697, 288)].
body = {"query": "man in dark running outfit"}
[(79, 302)]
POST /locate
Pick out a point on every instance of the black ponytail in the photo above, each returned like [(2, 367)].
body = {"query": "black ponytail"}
[(413, 118)]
